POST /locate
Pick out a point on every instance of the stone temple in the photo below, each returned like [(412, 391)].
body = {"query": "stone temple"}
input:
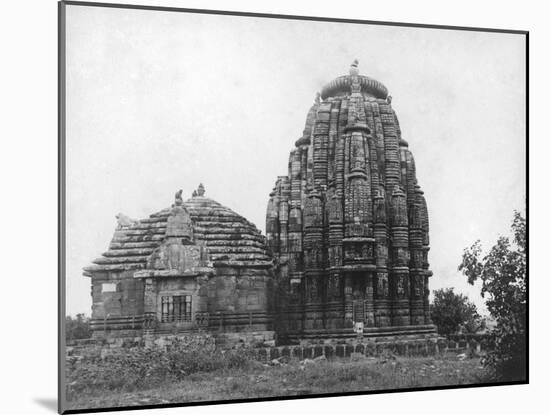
[(196, 266), (348, 225), (345, 253)]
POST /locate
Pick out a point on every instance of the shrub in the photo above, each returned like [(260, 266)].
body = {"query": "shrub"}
[(77, 327), (452, 312), (503, 275), (129, 369)]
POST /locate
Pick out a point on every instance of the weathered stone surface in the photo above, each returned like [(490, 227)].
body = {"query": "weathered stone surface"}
[(347, 238), (348, 224), (198, 250), (213, 225)]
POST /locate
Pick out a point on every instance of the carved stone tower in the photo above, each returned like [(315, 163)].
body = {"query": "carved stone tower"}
[(348, 225)]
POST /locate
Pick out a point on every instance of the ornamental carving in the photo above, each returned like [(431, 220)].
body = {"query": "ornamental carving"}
[(353, 179)]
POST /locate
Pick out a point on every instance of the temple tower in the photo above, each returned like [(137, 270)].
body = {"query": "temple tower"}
[(348, 225)]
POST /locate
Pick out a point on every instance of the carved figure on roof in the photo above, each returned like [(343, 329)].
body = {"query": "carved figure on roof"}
[(124, 220), (200, 190), (178, 197)]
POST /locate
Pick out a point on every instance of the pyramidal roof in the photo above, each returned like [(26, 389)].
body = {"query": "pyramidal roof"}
[(231, 240)]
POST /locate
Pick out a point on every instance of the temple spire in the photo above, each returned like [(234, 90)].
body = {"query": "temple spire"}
[(359, 257)]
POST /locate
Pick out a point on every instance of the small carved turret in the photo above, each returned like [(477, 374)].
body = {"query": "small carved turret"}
[(399, 258), (381, 302), (416, 262)]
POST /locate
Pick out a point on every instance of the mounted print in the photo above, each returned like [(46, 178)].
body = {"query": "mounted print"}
[(258, 207)]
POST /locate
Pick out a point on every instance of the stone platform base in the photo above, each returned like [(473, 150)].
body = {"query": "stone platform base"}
[(407, 345), (377, 334), (118, 339), (404, 346)]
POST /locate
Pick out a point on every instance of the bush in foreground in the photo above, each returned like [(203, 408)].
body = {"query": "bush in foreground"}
[(503, 276), (136, 368), (452, 312), (335, 375), (77, 327)]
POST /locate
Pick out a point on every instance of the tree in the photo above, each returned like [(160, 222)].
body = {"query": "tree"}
[(78, 327), (452, 311), (503, 276)]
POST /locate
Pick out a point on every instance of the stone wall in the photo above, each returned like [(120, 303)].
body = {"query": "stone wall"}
[(103, 347), (475, 344), (410, 348), (117, 301), (197, 248)]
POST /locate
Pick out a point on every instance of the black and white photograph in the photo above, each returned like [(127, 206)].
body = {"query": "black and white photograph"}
[(258, 207)]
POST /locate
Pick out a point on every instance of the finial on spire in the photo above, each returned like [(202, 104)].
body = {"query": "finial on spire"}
[(354, 68), (200, 190)]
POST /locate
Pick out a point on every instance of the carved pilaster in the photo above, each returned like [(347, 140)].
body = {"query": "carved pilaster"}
[(416, 261), (150, 304), (381, 304), (348, 300), (399, 283)]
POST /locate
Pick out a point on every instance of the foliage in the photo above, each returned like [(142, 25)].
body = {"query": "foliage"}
[(452, 312), (503, 276), (129, 369), (77, 327), (334, 375)]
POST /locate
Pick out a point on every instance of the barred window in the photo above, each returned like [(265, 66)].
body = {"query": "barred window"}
[(176, 308)]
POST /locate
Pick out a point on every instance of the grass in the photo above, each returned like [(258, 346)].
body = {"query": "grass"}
[(257, 380)]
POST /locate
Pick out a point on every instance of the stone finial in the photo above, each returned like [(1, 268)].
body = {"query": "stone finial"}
[(179, 224), (194, 193), (389, 98), (179, 200), (200, 190), (317, 98), (354, 68)]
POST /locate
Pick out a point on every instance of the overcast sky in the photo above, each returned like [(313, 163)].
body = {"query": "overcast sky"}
[(158, 101)]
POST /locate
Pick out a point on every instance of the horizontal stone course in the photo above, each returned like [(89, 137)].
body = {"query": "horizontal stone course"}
[(404, 348)]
